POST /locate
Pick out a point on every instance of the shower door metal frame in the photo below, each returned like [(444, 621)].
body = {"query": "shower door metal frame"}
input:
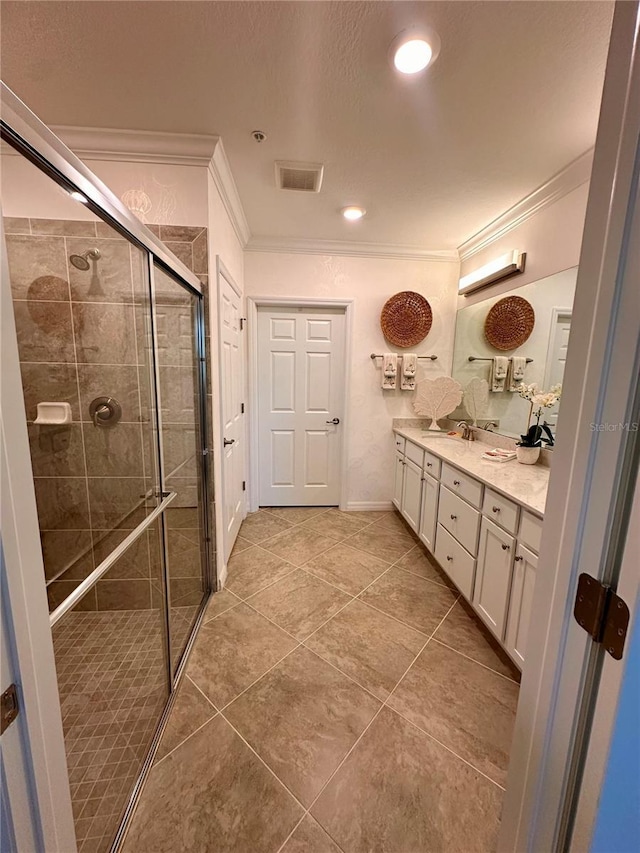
[(29, 137)]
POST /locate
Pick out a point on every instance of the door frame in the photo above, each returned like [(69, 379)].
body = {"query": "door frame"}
[(26, 609), (25, 601), (253, 303), (590, 490), (223, 273)]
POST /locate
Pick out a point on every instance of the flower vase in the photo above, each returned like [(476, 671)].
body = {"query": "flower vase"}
[(527, 455)]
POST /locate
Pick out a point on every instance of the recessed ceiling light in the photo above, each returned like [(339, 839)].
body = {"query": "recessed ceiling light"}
[(353, 213), (414, 49)]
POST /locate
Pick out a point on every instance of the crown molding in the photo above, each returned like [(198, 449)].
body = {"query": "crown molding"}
[(569, 179), (390, 251), (176, 149), (220, 171), (138, 146)]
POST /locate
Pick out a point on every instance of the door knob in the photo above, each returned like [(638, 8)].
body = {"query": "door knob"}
[(335, 421), (228, 441)]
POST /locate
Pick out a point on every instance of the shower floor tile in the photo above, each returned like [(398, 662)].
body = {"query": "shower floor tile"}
[(112, 683), (356, 726)]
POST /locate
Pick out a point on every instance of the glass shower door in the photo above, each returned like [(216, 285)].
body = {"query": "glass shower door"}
[(179, 339), (119, 482)]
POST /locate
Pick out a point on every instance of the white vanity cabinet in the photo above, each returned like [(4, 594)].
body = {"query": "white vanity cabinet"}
[(429, 511), (523, 582), (398, 480), (486, 542), (493, 576), (411, 493)]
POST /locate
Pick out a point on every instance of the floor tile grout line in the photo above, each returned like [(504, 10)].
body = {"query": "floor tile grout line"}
[(326, 622), (389, 615), (429, 638), (263, 588), (473, 660), (266, 672), (386, 701), (365, 730), (345, 674), (182, 742), (262, 761), (188, 677), (444, 746), (418, 575)]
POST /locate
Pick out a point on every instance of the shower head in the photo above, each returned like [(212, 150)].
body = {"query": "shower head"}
[(81, 262)]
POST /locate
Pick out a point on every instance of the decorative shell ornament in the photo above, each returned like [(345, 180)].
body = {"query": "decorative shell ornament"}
[(437, 398), (476, 398)]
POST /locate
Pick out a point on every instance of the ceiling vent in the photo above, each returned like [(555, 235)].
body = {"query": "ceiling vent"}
[(302, 177)]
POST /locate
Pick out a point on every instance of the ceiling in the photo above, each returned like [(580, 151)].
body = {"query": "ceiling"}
[(511, 100)]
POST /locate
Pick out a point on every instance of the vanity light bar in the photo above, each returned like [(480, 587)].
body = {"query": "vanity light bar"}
[(511, 263)]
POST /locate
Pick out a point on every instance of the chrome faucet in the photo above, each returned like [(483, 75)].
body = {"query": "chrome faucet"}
[(490, 426), (467, 432)]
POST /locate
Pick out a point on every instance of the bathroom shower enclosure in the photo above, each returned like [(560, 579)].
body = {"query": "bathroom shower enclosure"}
[(110, 329)]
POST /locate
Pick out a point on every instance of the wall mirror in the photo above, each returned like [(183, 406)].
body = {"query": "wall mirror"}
[(506, 412)]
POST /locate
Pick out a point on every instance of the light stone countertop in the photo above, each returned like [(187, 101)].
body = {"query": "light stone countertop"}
[(525, 484)]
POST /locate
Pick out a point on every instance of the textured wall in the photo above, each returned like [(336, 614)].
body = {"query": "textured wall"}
[(369, 282)]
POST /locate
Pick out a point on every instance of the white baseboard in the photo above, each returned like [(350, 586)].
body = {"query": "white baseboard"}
[(222, 578), (369, 506)]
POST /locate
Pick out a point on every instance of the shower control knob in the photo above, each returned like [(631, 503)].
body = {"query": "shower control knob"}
[(105, 411)]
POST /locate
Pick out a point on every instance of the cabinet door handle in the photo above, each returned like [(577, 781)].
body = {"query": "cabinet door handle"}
[(495, 509), (517, 559), (449, 559), (506, 547), (453, 517), (456, 482), (429, 464)]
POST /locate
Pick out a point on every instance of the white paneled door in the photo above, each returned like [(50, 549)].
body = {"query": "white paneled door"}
[(557, 356), (301, 375), (231, 411)]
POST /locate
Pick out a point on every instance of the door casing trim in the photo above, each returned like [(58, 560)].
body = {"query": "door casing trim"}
[(222, 273), (253, 303)]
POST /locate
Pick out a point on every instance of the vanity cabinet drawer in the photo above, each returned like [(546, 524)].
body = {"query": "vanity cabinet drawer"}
[(457, 563), (501, 510), (414, 453), (431, 464), (460, 519), (462, 484), (530, 531), (400, 442)]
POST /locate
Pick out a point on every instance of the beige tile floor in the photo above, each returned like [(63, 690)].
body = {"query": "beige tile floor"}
[(338, 698)]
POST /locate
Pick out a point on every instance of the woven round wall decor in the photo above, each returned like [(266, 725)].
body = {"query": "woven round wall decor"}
[(509, 323), (406, 319)]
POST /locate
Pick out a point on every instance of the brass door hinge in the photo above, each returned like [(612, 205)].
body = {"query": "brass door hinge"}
[(602, 614), (9, 707)]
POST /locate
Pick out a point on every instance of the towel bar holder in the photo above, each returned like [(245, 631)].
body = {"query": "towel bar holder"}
[(400, 355), (477, 358)]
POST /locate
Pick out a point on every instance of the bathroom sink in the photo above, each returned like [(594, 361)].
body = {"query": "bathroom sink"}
[(431, 435)]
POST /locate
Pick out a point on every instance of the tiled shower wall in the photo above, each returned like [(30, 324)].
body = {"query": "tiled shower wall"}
[(82, 335)]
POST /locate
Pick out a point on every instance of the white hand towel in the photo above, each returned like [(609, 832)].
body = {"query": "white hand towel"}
[(516, 374), (389, 370), (409, 368), (499, 369)]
